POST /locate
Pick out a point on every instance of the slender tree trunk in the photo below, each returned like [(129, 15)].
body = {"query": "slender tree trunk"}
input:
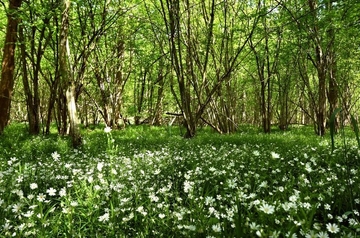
[(264, 113), (54, 82), (73, 118), (67, 77), (8, 63), (52, 100), (105, 97), (269, 72), (140, 98), (32, 107), (120, 82), (196, 88), (333, 89), (157, 117), (332, 63), (266, 69), (260, 63), (321, 113), (284, 87), (35, 55), (321, 67)]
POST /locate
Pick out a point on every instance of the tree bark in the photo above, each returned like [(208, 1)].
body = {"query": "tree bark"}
[(157, 116), (32, 103), (284, 88), (332, 70), (67, 77), (321, 66), (8, 63), (73, 118)]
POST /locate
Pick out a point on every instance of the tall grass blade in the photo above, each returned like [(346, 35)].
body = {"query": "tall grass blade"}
[(332, 127), (354, 123)]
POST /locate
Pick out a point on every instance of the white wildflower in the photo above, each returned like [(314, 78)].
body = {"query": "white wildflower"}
[(33, 186), (107, 129), (62, 192), (104, 217), (266, 208), (51, 191), (41, 197), (55, 155), (216, 228), (274, 155), (332, 228)]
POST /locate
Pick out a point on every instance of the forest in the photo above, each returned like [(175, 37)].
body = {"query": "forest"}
[(179, 118), (215, 63)]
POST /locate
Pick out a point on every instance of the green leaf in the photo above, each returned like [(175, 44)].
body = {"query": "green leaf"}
[(332, 127)]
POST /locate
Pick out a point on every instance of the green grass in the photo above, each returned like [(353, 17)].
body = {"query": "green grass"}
[(149, 182)]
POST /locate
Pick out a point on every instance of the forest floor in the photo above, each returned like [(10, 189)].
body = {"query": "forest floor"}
[(150, 182)]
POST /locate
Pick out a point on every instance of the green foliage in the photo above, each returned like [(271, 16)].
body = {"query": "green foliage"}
[(149, 182), (17, 142), (345, 136), (119, 53)]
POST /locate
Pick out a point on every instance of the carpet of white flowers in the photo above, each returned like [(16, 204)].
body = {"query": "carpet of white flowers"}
[(183, 189)]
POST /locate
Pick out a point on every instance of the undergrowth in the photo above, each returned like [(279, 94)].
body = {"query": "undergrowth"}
[(150, 182)]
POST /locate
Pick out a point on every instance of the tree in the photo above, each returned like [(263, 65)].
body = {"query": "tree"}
[(67, 76), (190, 51), (266, 64), (316, 25), (104, 53), (35, 25), (215, 63), (8, 63)]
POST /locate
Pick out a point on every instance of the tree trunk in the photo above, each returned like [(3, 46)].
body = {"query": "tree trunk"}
[(73, 118), (264, 111), (265, 70), (8, 64), (321, 67), (32, 107), (333, 90), (176, 60), (321, 113), (332, 67), (190, 58), (52, 100), (157, 117), (139, 99), (284, 87), (67, 77)]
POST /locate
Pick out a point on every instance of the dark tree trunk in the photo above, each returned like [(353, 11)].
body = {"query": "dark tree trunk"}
[(8, 64), (320, 63), (157, 117), (284, 87), (321, 112), (35, 55), (52, 100), (140, 98), (333, 91), (31, 101), (332, 68)]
